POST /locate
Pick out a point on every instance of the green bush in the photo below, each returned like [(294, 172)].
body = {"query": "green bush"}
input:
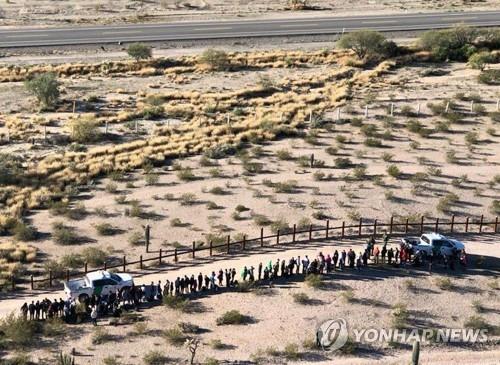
[(232, 317), (215, 59), (64, 235), (139, 51), (175, 336), (365, 43), (453, 44), (105, 229), (479, 60), (301, 298), (45, 88), (314, 281), (342, 162), (24, 232), (177, 302), (489, 77), (393, 170), (16, 331)]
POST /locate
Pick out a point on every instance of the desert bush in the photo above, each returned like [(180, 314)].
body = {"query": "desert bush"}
[(479, 60), (136, 239), (393, 171), (286, 187), (215, 59), (175, 336), (471, 138), (347, 295), (319, 215), (153, 112), (84, 129), (155, 357), (139, 51), (100, 336), (179, 303), (359, 172), (64, 235), (220, 151), (373, 142), (399, 316), (188, 199), (111, 188), (342, 163), (477, 322), (45, 88), (387, 157), (152, 179), (314, 281), (331, 150), (454, 44), (24, 232), (364, 43), (443, 283), (217, 190), (280, 224), (232, 317), (301, 298), (369, 130), (495, 207), (72, 261), (284, 155), (105, 229), (489, 77), (186, 174), (94, 256)]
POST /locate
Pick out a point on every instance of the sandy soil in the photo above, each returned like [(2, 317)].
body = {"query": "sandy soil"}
[(45, 12), (280, 321)]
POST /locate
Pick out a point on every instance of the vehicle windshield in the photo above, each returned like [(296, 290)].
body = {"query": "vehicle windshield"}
[(444, 243), (116, 277)]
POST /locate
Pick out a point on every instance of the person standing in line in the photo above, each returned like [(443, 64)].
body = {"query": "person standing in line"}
[(335, 259), (93, 315)]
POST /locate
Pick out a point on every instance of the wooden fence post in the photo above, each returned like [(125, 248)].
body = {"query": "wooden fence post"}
[(194, 249), (124, 263), (244, 242), (147, 235), (406, 226), (360, 225), (481, 223), (496, 224), (310, 232), (159, 257), (86, 267), (312, 160), (452, 223), (32, 282), (375, 228), (278, 237), (466, 224), (211, 247), (390, 226), (422, 225), (105, 265), (261, 236), (437, 225), (175, 255), (327, 228), (50, 278), (228, 243), (343, 229), (294, 231), (67, 275), (140, 262)]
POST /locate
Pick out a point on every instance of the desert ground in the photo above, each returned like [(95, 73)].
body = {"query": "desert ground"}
[(275, 138), (46, 12), (367, 299)]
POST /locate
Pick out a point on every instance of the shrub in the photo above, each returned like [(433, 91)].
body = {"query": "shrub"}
[(111, 188), (177, 302), (479, 60), (220, 151), (495, 207), (72, 261), (347, 295), (454, 44), (153, 112), (444, 283), (319, 215), (155, 358), (232, 317), (23, 232), (175, 336), (369, 130), (186, 174), (359, 172), (489, 77), (215, 59), (364, 43), (286, 187), (301, 298), (152, 179), (94, 256), (136, 239), (241, 208), (188, 199), (139, 51), (105, 229), (331, 150), (291, 352), (64, 235), (393, 170), (373, 142), (387, 157), (100, 336), (280, 224), (471, 138), (217, 190), (284, 154), (476, 322), (84, 129), (16, 331), (399, 316), (45, 88), (342, 162), (314, 281)]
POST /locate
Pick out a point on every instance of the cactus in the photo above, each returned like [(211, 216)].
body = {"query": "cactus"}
[(416, 353)]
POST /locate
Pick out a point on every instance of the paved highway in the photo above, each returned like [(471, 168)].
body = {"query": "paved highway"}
[(28, 37)]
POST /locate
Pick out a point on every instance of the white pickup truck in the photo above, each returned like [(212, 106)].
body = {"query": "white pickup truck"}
[(433, 242), (98, 283)]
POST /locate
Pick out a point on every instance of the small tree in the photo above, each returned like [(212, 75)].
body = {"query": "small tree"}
[(45, 88), (217, 60), (363, 42), (139, 51), (478, 61)]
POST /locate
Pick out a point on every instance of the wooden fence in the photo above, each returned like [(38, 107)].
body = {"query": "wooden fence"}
[(363, 228)]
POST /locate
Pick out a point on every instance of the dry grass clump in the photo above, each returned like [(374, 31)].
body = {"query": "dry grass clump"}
[(12, 256)]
